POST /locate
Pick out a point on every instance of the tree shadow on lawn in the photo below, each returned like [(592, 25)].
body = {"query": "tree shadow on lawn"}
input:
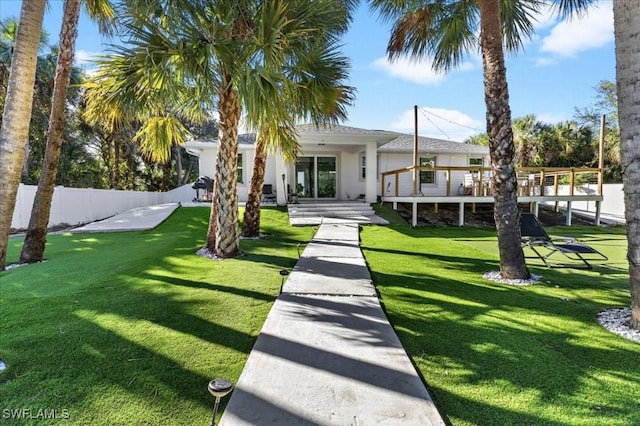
[(479, 261), (520, 340), (122, 351), (203, 285)]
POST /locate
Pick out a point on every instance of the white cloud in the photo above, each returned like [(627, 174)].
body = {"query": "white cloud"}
[(419, 72), (546, 18), (545, 62), (406, 69), (82, 57), (439, 123), (570, 37)]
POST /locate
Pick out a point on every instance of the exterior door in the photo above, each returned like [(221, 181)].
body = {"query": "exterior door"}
[(316, 177)]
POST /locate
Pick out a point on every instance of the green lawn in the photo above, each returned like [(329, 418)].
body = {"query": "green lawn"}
[(128, 328), (494, 354)]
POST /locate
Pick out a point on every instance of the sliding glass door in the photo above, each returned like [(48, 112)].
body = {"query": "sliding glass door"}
[(316, 177)]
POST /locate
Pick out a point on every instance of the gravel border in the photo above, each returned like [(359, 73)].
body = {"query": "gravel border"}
[(495, 276), (617, 321)]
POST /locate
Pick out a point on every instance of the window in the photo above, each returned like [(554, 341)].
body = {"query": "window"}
[(428, 176), (363, 167), (240, 169), (475, 161)]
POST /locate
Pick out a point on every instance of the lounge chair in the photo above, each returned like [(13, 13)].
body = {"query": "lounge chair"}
[(268, 195), (536, 238)]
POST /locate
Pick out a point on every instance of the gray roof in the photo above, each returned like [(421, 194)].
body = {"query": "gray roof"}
[(334, 129), (339, 129), (398, 142), (405, 143), (246, 139)]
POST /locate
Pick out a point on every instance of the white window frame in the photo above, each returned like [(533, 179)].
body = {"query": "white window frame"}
[(423, 162), (471, 159), (240, 167)]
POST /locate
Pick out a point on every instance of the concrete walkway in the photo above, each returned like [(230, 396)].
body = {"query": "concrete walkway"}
[(327, 354), (137, 219)]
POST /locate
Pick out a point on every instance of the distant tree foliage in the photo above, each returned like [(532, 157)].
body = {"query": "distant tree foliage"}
[(573, 143), (606, 102), (91, 156)]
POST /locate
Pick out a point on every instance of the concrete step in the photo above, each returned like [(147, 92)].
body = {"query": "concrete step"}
[(333, 208), (330, 213), (345, 209), (316, 213), (331, 205)]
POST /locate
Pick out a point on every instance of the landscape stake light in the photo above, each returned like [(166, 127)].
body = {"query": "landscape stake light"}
[(219, 388), (283, 273)]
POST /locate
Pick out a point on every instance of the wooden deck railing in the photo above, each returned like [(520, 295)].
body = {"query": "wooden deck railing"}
[(537, 179)]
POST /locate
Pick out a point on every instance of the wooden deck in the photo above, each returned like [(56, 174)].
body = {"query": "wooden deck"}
[(547, 186)]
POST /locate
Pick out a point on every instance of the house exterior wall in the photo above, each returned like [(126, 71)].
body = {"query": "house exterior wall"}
[(207, 163), (350, 183), (393, 161)]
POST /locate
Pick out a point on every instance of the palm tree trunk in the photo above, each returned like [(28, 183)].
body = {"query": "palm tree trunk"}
[(501, 146), (187, 173), (14, 134), (251, 225), (222, 237), (177, 151), (166, 176), (115, 176), (627, 36), (34, 243)]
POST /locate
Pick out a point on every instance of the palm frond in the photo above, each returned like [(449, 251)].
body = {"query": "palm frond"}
[(158, 135), (570, 8), (103, 12)]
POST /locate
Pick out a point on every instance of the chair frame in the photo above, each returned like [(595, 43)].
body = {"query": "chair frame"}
[(269, 196), (534, 236)]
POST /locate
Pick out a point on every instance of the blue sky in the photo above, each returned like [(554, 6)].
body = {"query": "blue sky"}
[(556, 72)]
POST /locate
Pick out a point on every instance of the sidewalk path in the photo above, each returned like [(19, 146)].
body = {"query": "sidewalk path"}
[(137, 219), (327, 354)]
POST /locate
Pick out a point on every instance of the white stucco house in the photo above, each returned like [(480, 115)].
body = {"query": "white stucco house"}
[(344, 163)]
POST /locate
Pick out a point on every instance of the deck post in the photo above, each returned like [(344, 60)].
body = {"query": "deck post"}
[(414, 214), (598, 211), (569, 213), (535, 208), (461, 214)]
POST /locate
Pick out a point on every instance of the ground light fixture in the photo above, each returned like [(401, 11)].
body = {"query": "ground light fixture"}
[(219, 388), (283, 273)]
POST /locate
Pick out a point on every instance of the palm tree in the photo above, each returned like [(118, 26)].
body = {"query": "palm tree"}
[(42, 90), (447, 31), (627, 31), (313, 90), (17, 113), (229, 51), (34, 243)]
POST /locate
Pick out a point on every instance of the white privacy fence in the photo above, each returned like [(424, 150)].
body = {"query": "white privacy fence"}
[(612, 198), (81, 205)]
